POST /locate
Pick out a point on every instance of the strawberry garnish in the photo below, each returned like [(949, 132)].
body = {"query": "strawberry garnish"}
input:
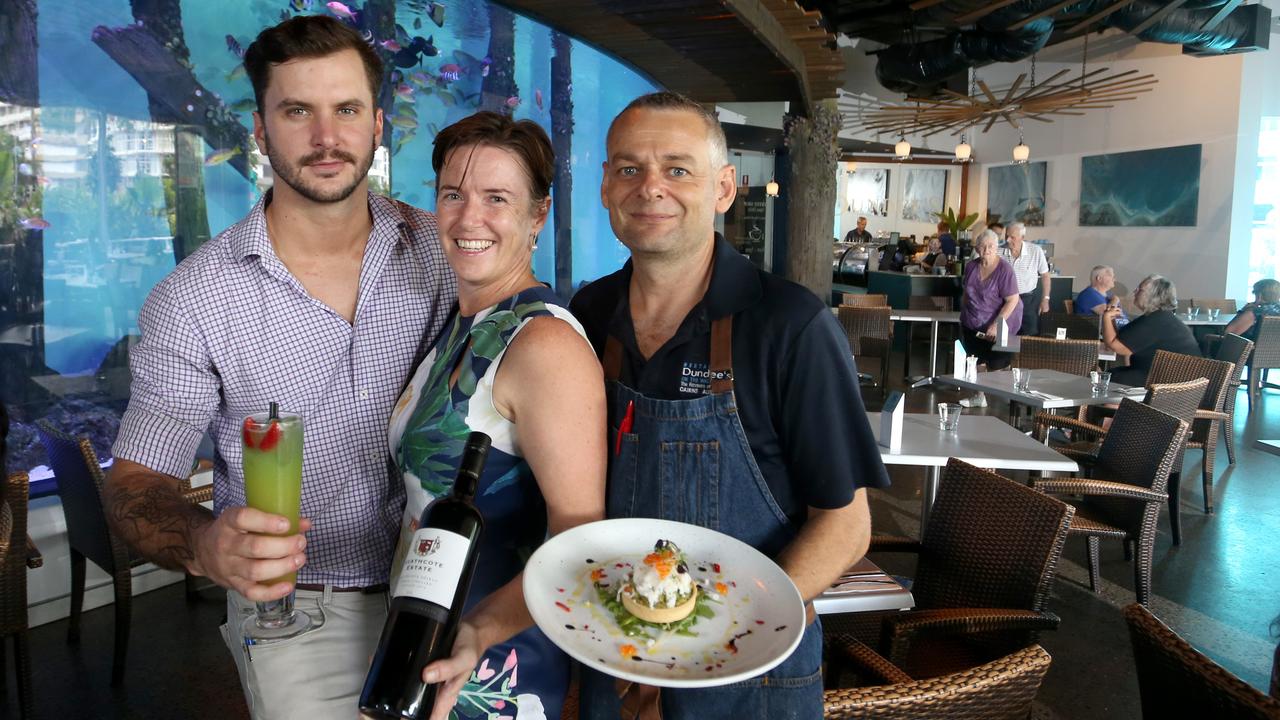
[(272, 438), (247, 432)]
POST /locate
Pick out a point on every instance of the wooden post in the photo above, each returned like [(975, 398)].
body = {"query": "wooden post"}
[(810, 195)]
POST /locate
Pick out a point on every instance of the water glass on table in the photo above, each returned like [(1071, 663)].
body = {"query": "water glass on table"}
[(949, 417), (1021, 380), (1214, 313), (1100, 381)]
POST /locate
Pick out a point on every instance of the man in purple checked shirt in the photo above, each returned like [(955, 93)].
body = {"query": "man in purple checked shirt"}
[(320, 300)]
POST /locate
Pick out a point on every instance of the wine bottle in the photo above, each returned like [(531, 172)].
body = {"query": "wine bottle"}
[(429, 596)]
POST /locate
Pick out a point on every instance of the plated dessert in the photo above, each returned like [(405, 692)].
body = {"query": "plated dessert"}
[(659, 592)]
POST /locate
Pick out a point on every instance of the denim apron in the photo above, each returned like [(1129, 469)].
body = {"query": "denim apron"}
[(689, 461)]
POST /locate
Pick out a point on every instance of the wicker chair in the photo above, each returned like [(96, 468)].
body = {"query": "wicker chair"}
[(1233, 349), (1076, 357), (1079, 327), (17, 555), (869, 332), (1179, 399), (1175, 680), (864, 300), (1266, 355), (1136, 457), (80, 482), (1177, 367), (986, 566), (1002, 689)]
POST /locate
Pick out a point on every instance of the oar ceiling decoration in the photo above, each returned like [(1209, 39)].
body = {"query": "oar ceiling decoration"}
[(1093, 90)]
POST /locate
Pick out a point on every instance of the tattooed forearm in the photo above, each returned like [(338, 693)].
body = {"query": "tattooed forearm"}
[(148, 511)]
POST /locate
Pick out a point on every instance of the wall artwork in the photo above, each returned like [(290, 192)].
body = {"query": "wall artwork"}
[(1015, 193), (924, 192), (1145, 188), (867, 192)]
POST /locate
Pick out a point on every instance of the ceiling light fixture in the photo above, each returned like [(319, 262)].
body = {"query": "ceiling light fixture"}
[(902, 151), (771, 188)]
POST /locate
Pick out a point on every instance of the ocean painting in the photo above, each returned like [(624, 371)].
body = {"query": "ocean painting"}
[(924, 192), (1145, 188), (867, 192), (1015, 193)]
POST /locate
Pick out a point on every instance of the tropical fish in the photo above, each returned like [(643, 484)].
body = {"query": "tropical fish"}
[(341, 11), (300, 5), (25, 169), (34, 223), (484, 66), (420, 79), (405, 110), (537, 97), (513, 101), (244, 105), (450, 71), (43, 180), (417, 49), (217, 157), (404, 91), (236, 73), (390, 45), (417, 23), (436, 13), (404, 122), (234, 46)]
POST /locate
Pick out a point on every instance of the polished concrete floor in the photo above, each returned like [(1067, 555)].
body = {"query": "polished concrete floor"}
[(1220, 590)]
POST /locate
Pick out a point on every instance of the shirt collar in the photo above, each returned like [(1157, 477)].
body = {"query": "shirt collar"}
[(249, 236)]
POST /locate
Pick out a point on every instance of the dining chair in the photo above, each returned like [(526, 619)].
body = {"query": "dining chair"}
[(1179, 399), (1209, 417), (1078, 327), (1266, 355), (864, 300), (985, 568), (870, 334), (1128, 486), (1234, 349), (17, 556), (1003, 689), (80, 481), (1075, 357), (1175, 680)]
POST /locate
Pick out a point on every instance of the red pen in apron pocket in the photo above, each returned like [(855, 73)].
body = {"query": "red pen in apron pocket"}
[(628, 419)]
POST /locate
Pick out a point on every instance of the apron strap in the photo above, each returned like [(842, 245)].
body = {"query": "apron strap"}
[(722, 355), (612, 362)]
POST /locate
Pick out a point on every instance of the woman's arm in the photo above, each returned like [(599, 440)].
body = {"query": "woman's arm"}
[(551, 386), (1242, 321), (1005, 312)]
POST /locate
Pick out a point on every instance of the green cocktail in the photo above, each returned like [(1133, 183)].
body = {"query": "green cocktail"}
[(272, 463)]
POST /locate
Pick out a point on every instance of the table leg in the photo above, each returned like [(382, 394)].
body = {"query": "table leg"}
[(930, 491), (933, 346)]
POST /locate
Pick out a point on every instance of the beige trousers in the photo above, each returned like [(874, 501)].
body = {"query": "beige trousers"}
[(317, 675)]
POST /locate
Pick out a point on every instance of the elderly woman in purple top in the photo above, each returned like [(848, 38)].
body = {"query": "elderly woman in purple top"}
[(990, 295)]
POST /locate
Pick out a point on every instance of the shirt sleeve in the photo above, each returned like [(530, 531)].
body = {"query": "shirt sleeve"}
[(827, 440), (174, 392), (1042, 261)]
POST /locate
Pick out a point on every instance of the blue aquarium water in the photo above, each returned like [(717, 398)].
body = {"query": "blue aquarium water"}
[(108, 171)]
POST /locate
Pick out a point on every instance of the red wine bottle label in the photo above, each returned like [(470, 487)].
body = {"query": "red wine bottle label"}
[(433, 566)]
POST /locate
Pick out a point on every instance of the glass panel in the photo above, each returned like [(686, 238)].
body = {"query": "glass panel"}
[(126, 143)]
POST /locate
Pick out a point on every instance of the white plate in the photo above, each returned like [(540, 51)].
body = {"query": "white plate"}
[(758, 621)]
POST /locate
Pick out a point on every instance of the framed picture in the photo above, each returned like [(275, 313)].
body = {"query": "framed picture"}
[(1145, 188), (867, 192), (1015, 193), (924, 192)]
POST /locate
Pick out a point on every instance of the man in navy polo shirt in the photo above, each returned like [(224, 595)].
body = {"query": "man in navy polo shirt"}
[(732, 395)]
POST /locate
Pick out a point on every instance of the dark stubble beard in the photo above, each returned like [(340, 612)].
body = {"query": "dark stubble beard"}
[(291, 174)]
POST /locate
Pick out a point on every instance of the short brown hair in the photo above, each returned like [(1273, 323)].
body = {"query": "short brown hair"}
[(1267, 290), (674, 101), (523, 138), (306, 36)]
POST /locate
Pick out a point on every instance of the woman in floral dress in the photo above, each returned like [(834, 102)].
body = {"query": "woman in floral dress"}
[(513, 364)]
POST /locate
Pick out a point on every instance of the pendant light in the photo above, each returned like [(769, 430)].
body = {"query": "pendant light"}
[(1021, 152), (771, 188), (902, 151)]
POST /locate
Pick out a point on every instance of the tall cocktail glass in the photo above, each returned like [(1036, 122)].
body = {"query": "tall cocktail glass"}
[(272, 443)]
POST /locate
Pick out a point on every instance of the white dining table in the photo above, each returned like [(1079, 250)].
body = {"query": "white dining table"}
[(1050, 389), (980, 440), (864, 587)]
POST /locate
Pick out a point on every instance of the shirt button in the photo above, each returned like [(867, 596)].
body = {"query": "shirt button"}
[(364, 394)]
